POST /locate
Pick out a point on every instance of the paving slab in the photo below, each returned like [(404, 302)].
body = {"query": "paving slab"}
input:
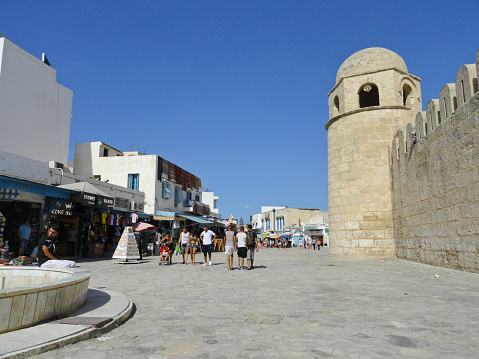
[(296, 303)]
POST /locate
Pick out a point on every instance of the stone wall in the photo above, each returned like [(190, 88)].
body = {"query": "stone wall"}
[(435, 182)]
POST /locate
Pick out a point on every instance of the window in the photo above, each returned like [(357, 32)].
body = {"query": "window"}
[(105, 152), (188, 196), (406, 93), (368, 96), (178, 195), (336, 106), (166, 191), (134, 181), (197, 198)]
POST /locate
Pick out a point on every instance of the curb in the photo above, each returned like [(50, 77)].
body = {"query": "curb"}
[(88, 333)]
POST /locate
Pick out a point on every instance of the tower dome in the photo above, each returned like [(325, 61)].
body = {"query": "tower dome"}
[(370, 60)]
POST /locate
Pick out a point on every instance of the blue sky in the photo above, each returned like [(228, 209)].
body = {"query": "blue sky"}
[(233, 91)]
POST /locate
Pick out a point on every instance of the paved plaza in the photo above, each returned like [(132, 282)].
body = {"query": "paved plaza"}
[(296, 304)]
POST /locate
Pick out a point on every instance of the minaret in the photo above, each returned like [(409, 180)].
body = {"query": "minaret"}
[(373, 97)]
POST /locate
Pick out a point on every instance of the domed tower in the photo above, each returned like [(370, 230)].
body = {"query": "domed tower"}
[(373, 97)]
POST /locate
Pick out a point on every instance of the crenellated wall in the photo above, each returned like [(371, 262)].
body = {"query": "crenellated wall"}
[(434, 167)]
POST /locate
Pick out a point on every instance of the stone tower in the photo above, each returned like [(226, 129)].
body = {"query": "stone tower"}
[(373, 97)]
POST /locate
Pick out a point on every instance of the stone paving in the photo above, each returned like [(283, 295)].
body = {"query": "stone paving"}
[(295, 304)]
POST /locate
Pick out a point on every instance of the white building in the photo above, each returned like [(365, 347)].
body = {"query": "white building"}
[(34, 107), (167, 187), (211, 200)]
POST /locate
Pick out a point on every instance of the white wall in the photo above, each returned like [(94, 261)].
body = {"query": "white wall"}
[(89, 162), (35, 111)]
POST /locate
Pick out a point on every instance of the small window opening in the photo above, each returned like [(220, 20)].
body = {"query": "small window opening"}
[(475, 85), (105, 152), (463, 92), (406, 92), (425, 129), (438, 117), (336, 104), (454, 101), (368, 96)]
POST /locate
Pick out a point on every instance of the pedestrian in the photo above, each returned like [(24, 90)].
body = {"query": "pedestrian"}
[(167, 240), (71, 240), (319, 242), (24, 236), (193, 246), (313, 244), (184, 241), (230, 245), (241, 247), (207, 236), (252, 242), (47, 254)]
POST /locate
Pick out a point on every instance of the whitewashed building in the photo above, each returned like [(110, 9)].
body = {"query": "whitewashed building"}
[(35, 110), (167, 187)]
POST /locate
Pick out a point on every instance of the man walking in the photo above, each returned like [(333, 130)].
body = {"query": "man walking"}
[(252, 242), (207, 236)]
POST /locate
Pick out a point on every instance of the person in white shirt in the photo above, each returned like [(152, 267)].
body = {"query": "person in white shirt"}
[(184, 240), (207, 236), (241, 247)]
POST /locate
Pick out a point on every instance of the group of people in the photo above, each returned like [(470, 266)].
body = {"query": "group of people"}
[(245, 243)]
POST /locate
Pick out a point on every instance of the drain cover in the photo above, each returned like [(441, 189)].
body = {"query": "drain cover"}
[(262, 319), (95, 321)]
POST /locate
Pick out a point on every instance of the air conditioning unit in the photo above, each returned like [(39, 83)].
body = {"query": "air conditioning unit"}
[(54, 164), (132, 205)]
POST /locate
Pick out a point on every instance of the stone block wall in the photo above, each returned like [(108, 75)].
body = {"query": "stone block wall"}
[(435, 183)]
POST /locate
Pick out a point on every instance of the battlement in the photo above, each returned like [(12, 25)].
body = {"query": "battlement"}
[(453, 101), (434, 178)]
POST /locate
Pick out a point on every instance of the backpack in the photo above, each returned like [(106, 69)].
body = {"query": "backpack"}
[(251, 242)]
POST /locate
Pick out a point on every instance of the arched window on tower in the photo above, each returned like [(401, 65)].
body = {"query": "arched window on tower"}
[(406, 95), (336, 106), (368, 96)]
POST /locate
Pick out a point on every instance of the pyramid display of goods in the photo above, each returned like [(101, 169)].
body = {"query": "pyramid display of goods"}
[(127, 247)]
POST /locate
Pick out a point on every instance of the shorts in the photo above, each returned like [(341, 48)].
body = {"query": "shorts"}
[(23, 243), (193, 245), (207, 249), (150, 246), (229, 249), (184, 247), (171, 246), (242, 252), (250, 254)]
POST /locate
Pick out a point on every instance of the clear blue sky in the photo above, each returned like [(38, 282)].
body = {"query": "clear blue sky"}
[(233, 91)]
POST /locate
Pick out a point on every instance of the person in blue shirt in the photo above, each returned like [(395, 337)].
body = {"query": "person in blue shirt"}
[(24, 236)]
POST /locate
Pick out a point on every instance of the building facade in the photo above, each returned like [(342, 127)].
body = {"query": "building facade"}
[(37, 109), (167, 187)]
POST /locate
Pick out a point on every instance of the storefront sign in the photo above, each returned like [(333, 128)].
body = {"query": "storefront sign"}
[(88, 199), (67, 208), (104, 202), (122, 203)]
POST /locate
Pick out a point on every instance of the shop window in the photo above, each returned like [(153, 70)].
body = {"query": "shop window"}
[(134, 181), (368, 96)]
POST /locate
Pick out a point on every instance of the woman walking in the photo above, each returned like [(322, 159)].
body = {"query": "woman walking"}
[(193, 245), (230, 245)]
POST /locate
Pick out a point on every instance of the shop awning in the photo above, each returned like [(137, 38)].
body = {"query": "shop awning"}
[(32, 187), (195, 219), (90, 195)]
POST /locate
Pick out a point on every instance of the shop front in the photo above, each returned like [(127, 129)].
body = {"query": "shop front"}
[(20, 201)]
